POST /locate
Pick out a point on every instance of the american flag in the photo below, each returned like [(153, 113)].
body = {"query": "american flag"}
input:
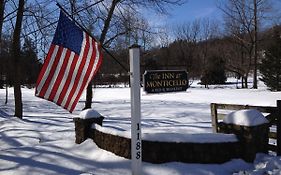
[(71, 63)]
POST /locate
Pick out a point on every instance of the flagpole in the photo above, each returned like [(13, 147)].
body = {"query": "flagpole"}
[(87, 32)]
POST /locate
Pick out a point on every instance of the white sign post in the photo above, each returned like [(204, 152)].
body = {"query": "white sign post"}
[(136, 147)]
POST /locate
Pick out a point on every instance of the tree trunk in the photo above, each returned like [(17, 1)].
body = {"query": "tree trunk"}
[(89, 96), (255, 81), (2, 7), (108, 20), (246, 82), (16, 59), (89, 92)]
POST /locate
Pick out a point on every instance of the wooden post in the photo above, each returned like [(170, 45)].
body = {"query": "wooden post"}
[(136, 147), (278, 117), (214, 114)]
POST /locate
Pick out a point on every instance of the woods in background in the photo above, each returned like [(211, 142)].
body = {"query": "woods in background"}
[(207, 49)]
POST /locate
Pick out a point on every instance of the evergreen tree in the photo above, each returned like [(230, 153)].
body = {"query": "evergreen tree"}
[(214, 72), (30, 66), (270, 67)]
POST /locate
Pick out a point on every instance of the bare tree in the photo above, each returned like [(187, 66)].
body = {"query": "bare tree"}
[(2, 7), (110, 11), (136, 29), (243, 19), (210, 30), (164, 39), (16, 58), (89, 95), (255, 82), (102, 18), (188, 35)]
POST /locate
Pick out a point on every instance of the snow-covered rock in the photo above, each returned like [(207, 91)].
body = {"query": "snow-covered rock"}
[(246, 117), (89, 113)]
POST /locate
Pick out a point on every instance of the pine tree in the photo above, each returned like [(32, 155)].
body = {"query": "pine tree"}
[(30, 65), (270, 67), (215, 72)]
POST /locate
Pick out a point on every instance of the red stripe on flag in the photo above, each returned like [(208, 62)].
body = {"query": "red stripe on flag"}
[(51, 73), (86, 78), (69, 76), (60, 75), (89, 74), (80, 69), (44, 67)]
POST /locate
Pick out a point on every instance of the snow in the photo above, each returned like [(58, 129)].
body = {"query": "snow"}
[(89, 113), (43, 142), (246, 117), (173, 137)]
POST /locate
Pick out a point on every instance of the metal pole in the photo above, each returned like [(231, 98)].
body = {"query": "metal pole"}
[(136, 146)]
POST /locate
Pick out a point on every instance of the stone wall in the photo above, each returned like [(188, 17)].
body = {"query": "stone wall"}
[(161, 152), (251, 140), (83, 128), (120, 146)]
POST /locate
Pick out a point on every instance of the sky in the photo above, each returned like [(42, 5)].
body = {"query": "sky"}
[(185, 13), (194, 9), (198, 9)]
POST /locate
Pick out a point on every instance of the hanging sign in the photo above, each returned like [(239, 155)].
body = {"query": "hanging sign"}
[(160, 81)]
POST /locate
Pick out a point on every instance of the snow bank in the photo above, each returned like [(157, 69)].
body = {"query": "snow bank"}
[(30, 146), (247, 117), (89, 113), (190, 138), (172, 137)]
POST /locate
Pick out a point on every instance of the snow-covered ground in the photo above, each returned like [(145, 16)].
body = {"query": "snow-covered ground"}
[(43, 142)]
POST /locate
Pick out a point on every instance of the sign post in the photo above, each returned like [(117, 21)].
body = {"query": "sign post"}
[(136, 146)]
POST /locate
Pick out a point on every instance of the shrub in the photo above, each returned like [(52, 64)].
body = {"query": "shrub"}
[(270, 67)]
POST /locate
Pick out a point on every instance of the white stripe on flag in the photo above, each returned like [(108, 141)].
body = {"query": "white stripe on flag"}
[(96, 59), (75, 71), (62, 83), (95, 63), (55, 76), (84, 70), (46, 73)]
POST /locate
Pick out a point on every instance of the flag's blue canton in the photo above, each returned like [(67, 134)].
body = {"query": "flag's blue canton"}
[(68, 35)]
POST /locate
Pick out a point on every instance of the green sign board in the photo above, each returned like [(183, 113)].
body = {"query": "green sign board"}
[(161, 81)]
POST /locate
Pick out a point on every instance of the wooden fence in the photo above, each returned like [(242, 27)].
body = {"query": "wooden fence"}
[(272, 114)]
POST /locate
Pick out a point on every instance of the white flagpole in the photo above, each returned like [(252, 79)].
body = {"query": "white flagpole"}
[(136, 146)]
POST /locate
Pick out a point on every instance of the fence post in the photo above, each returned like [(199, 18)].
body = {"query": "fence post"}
[(278, 125), (214, 114)]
